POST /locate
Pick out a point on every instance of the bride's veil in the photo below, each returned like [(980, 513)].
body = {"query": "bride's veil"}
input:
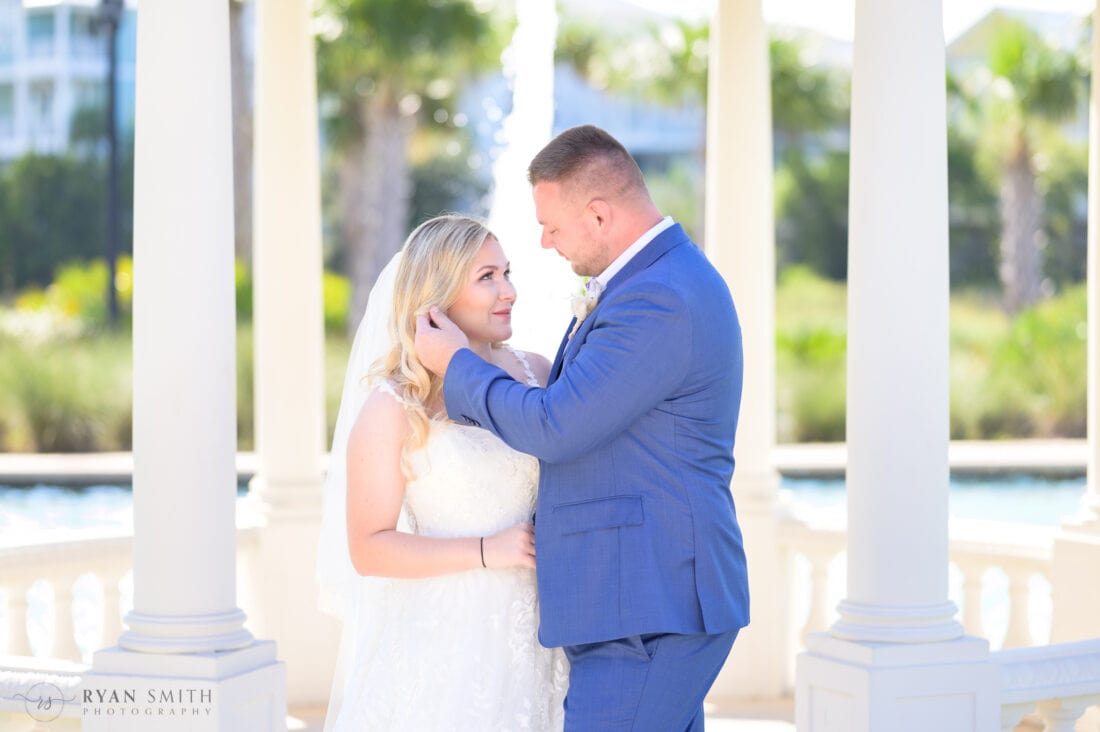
[(343, 592)]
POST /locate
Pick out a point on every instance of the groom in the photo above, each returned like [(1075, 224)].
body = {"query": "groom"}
[(641, 570)]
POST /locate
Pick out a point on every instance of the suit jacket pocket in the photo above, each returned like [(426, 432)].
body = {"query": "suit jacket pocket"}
[(598, 513)]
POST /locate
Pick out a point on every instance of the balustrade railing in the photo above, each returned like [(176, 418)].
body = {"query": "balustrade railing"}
[(1056, 682), (88, 576), (97, 558), (1020, 552)]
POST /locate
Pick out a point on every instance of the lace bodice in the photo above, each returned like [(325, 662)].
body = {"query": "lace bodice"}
[(495, 489), (459, 651)]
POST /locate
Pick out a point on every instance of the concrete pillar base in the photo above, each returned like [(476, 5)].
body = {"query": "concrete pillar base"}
[(285, 592), (202, 692), (1075, 593), (758, 666), (864, 687)]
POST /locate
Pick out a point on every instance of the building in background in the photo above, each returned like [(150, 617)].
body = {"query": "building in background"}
[(53, 69)]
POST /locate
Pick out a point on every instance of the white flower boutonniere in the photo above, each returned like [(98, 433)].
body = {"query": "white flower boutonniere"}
[(584, 304)]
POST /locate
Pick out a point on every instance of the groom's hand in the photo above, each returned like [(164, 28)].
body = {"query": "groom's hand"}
[(437, 341)]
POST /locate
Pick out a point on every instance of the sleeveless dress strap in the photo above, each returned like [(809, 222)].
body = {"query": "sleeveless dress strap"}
[(522, 358), (388, 388)]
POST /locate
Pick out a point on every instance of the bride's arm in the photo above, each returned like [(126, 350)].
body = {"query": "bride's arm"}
[(376, 487)]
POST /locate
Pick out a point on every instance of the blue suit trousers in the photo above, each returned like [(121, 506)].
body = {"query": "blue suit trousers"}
[(644, 683)]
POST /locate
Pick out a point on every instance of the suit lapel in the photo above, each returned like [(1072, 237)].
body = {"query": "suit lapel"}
[(671, 237), (555, 370), (666, 240)]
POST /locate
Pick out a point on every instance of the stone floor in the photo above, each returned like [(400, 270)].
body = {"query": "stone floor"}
[(722, 716)]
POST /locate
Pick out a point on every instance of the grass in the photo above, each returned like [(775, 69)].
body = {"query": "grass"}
[(74, 394), (1010, 377)]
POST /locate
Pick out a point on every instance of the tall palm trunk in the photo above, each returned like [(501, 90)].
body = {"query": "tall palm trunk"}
[(375, 192), (241, 80), (1021, 266)]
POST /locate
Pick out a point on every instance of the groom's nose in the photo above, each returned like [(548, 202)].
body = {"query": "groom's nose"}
[(545, 241)]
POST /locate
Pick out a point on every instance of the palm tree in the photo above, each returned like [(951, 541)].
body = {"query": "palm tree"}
[(241, 78), (384, 65), (668, 65), (1031, 88)]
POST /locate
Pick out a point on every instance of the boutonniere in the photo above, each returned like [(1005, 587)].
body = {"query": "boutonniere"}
[(582, 305)]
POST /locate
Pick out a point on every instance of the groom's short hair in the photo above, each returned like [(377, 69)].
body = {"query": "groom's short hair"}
[(589, 158)]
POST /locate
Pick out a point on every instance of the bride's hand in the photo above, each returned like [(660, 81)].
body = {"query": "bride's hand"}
[(513, 547)]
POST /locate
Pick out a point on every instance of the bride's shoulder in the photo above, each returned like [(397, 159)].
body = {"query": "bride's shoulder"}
[(536, 362), (382, 415)]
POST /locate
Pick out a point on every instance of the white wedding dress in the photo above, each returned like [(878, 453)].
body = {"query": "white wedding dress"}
[(458, 651)]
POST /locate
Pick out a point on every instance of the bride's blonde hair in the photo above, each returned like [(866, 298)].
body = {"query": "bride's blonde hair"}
[(435, 263)]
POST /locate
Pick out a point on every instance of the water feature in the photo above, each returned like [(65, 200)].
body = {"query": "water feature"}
[(543, 280), (43, 512), (32, 512)]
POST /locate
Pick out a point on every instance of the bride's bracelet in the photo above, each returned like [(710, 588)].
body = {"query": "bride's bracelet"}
[(481, 543)]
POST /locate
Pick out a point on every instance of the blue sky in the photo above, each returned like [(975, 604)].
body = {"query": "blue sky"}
[(835, 16)]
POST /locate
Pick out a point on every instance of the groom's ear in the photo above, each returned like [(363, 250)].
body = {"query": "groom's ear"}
[(600, 211)]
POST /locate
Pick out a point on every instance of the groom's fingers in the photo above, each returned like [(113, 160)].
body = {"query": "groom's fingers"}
[(440, 320)]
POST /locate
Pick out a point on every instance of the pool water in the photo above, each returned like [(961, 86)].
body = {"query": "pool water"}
[(44, 512), (1012, 498), (48, 511), (1020, 498)]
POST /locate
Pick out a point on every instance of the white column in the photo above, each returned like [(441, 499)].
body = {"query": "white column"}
[(740, 241), (898, 331), (288, 317), (1091, 503), (185, 439), (896, 659), (185, 629), (289, 347), (1075, 593), (20, 91), (63, 96)]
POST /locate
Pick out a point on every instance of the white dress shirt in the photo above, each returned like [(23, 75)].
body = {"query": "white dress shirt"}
[(615, 267)]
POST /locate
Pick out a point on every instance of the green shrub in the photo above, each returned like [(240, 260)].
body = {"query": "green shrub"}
[(246, 388), (336, 291), (811, 347), (1042, 364), (79, 291), (66, 395), (242, 280)]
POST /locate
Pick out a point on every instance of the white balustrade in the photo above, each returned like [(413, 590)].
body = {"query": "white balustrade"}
[(64, 630), (973, 576), (16, 589), (1059, 682), (1021, 552), (1055, 682), (61, 563)]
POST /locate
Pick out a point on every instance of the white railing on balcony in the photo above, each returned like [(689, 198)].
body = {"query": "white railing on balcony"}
[(96, 562), (980, 550), (62, 600), (1056, 682)]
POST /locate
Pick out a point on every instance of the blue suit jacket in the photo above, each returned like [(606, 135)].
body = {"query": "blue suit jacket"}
[(635, 524)]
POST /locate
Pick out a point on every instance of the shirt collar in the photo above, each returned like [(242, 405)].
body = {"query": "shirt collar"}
[(613, 269)]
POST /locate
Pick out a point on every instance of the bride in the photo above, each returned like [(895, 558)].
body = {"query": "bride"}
[(427, 547)]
